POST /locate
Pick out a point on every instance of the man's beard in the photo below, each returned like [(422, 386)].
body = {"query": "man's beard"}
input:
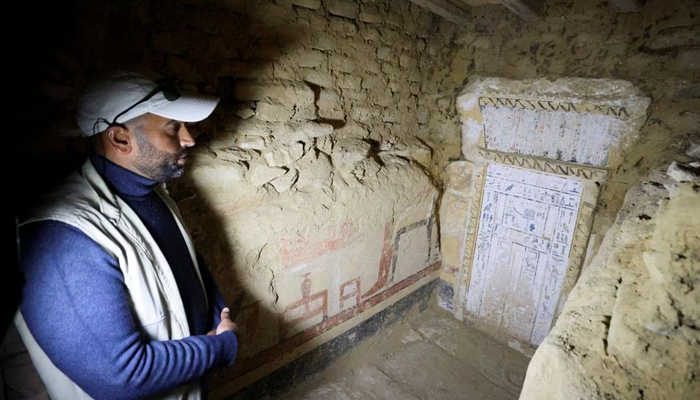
[(156, 164)]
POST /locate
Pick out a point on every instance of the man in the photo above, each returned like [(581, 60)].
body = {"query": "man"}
[(116, 303)]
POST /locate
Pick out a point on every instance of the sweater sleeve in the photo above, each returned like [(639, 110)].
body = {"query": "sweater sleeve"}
[(76, 305)]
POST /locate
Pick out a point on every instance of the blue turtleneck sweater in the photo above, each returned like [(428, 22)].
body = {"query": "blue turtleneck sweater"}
[(76, 304)]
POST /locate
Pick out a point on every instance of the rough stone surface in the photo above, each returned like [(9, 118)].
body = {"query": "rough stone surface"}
[(630, 327), (280, 52)]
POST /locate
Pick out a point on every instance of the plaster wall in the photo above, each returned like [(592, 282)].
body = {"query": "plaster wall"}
[(313, 187)]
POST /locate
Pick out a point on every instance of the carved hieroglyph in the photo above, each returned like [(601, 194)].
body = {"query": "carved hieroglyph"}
[(537, 151), (525, 232)]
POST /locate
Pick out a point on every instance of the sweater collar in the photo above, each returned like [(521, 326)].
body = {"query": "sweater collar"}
[(120, 179)]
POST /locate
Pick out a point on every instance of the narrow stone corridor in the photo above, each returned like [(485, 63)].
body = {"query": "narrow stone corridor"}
[(429, 356)]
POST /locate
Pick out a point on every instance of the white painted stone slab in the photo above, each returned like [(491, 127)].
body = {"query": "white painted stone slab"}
[(524, 236), (582, 138)]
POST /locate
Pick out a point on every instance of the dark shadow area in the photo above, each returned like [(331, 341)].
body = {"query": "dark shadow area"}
[(210, 46)]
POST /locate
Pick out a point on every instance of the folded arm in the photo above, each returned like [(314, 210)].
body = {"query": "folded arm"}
[(76, 305)]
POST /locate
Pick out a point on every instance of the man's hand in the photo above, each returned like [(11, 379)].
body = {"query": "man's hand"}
[(226, 323)]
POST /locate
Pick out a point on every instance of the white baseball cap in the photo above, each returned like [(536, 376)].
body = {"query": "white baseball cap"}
[(125, 95)]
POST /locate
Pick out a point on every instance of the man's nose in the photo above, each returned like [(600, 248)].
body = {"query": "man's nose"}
[(186, 138)]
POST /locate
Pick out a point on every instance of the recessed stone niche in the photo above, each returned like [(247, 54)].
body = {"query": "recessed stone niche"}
[(518, 208)]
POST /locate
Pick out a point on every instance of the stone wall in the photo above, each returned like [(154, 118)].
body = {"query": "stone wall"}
[(630, 327), (313, 186), (656, 50)]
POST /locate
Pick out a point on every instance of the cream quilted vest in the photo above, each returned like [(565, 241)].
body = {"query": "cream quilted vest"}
[(86, 202)]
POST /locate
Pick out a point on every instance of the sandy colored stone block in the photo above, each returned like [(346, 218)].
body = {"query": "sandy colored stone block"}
[(343, 8), (273, 112), (282, 155), (286, 181), (320, 78), (309, 59), (371, 14), (459, 176), (454, 209), (314, 170), (631, 316), (311, 4), (451, 250), (260, 174)]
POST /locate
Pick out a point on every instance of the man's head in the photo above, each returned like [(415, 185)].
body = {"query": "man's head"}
[(140, 122)]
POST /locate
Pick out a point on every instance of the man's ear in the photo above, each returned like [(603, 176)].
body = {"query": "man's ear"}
[(119, 138)]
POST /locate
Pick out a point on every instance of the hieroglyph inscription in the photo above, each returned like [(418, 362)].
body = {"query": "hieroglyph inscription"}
[(524, 236)]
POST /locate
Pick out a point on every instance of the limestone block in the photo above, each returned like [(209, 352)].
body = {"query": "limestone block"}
[(391, 70), (320, 78), (312, 4), (389, 115), (252, 142), (454, 210), (395, 18), (374, 82), (314, 170), (260, 174), (385, 53), (392, 38), (629, 326), (286, 181), (273, 112), (249, 91), (343, 64), (372, 66), (687, 60), (324, 144), (325, 42), (294, 132), (383, 98), (693, 150), (407, 61), (422, 114), (411, 149), (281, 94), (365, 114), (371, 34), (342, 8), (244, 110), (458, 176), (682, 172), (343, 27), (346, 81), (675, 37), (330, 105), (282, 155), (213, 175), (354, 96), (309, 59), (347, 152), (285, 3), (591, 118), (370, 14)]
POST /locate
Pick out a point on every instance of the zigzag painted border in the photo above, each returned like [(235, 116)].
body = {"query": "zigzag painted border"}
[(470, 241), (548, 105), (545, 165)]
